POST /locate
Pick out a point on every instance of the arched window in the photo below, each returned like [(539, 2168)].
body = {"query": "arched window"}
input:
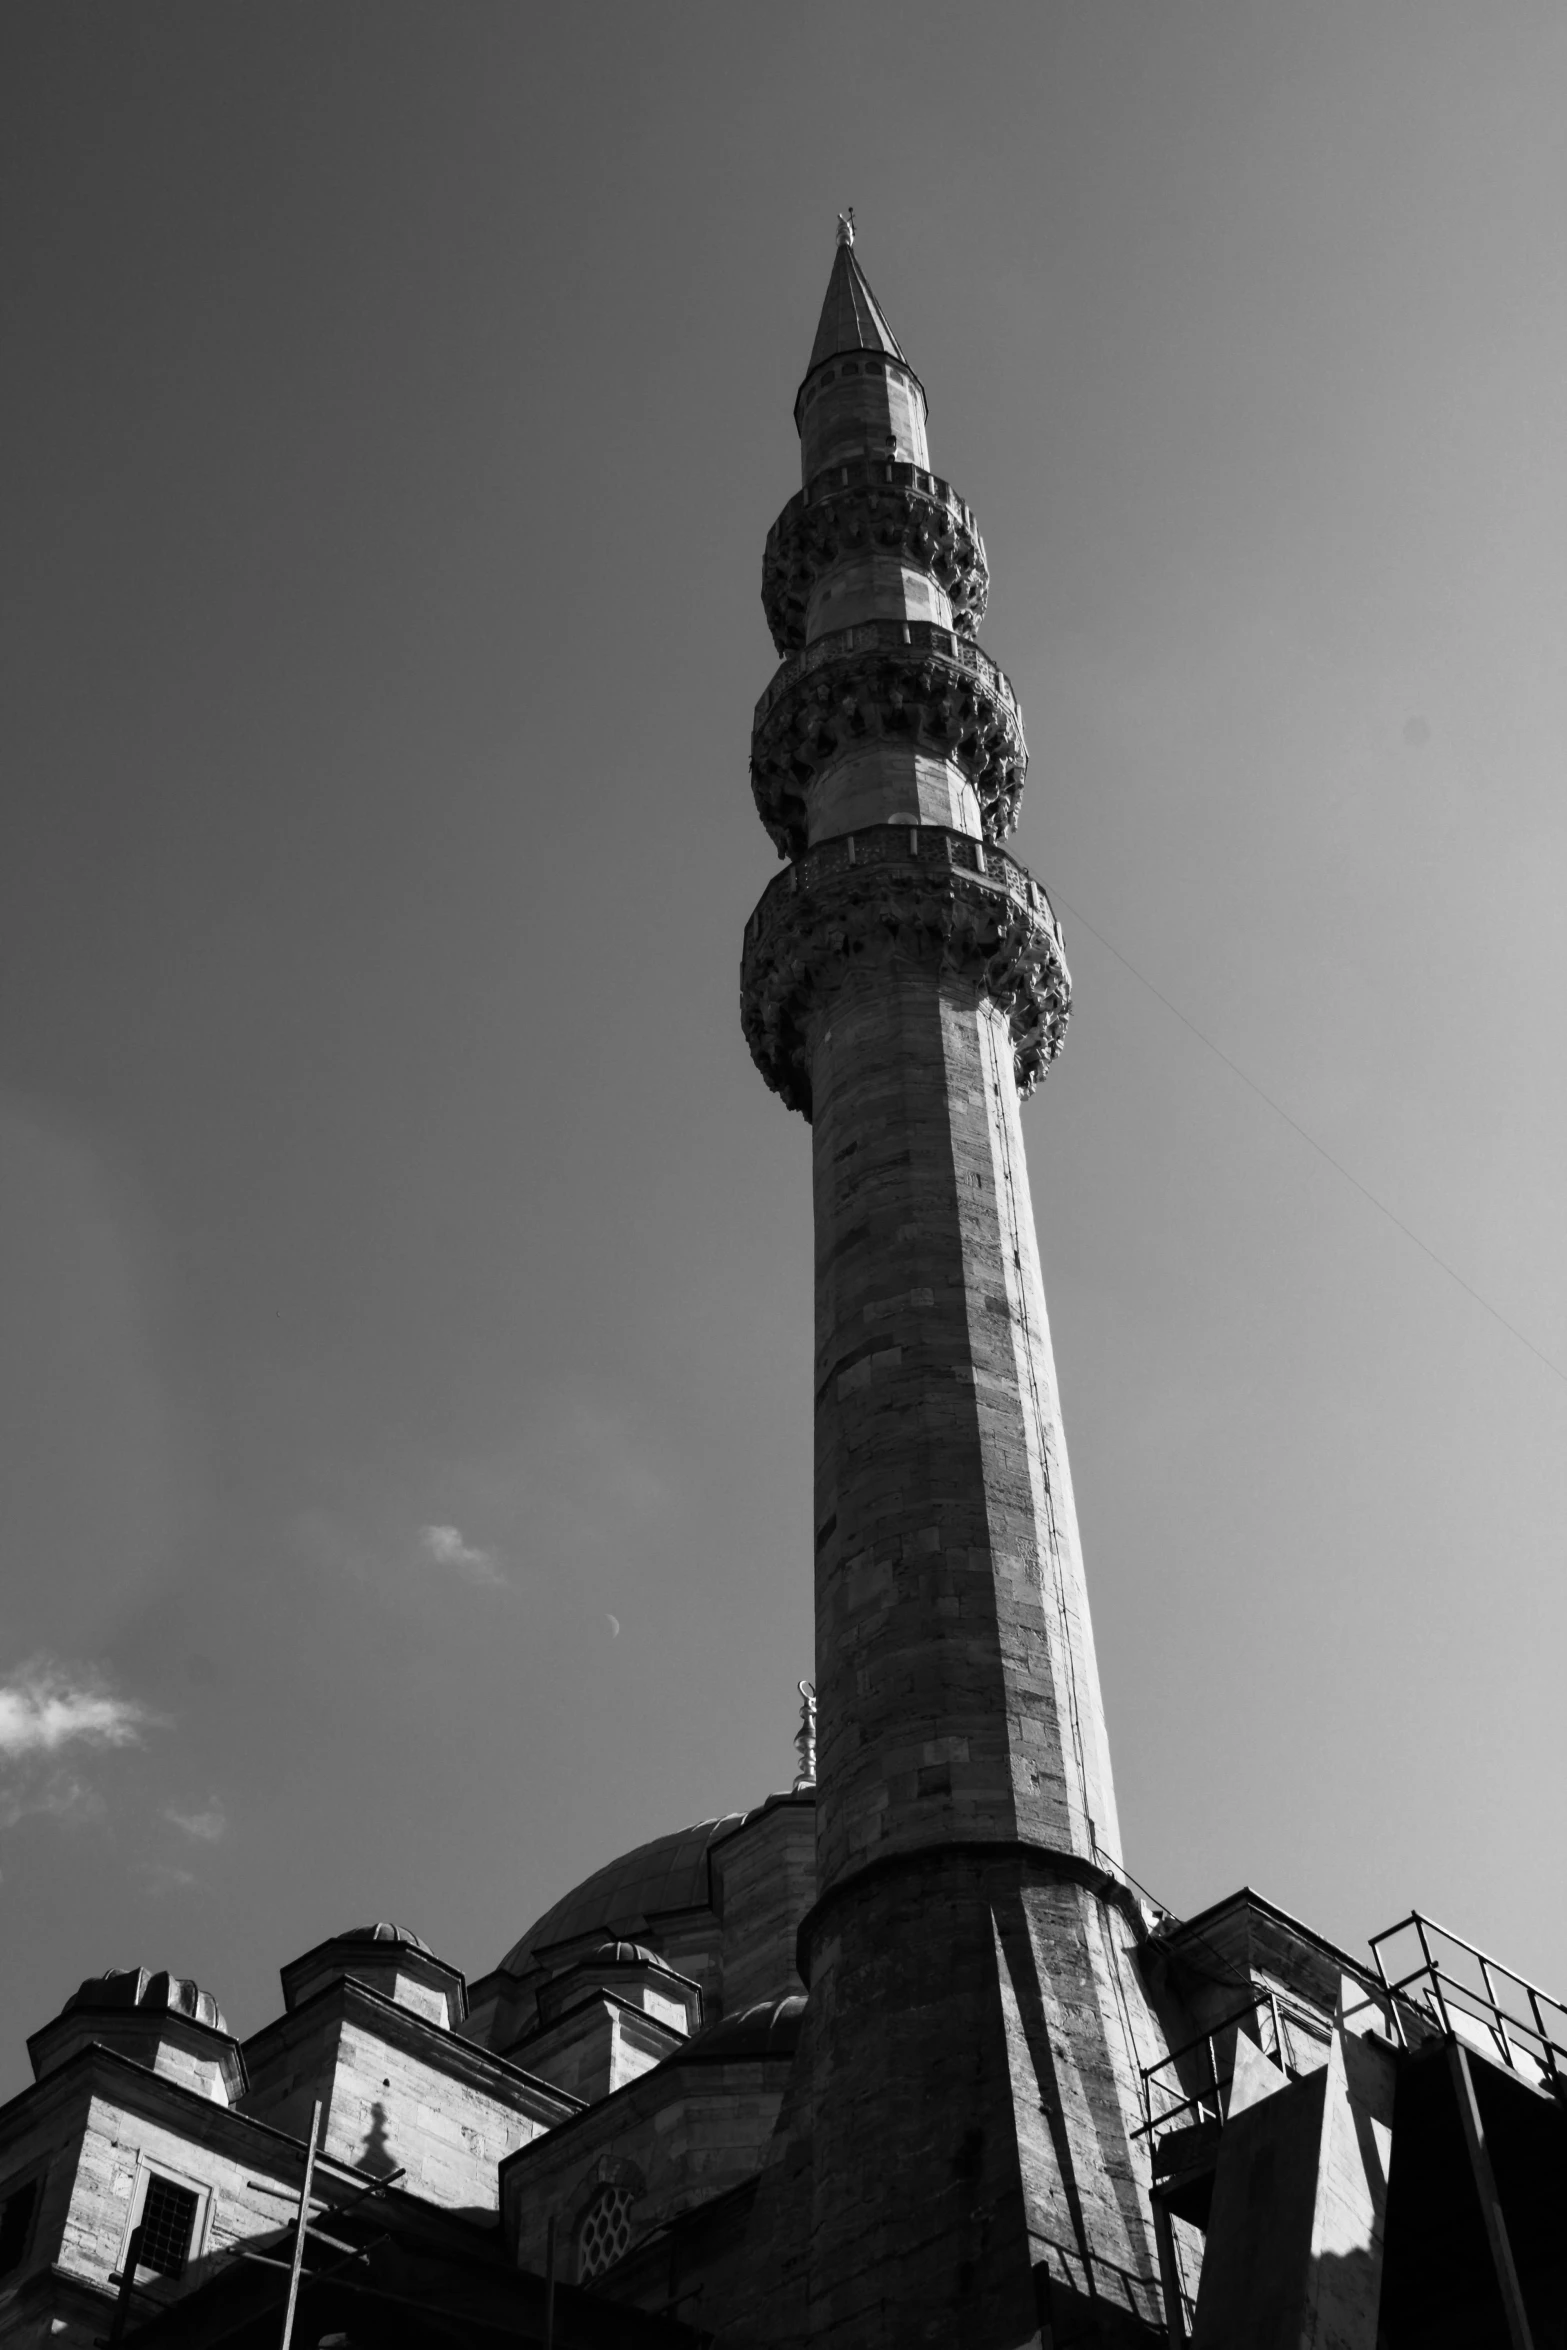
[(604, 2232)]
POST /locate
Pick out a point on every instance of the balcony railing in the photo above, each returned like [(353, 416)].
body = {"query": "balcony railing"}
[(1280, 2031), (1471, 1997)]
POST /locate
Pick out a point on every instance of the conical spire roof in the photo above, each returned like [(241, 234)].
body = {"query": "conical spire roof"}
[(852, 318)]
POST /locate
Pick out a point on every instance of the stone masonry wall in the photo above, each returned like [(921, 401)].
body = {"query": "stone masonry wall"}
[(974, 2039), (765, 1875), (675, 2139), (956, 1677), (957, 2159), (446, 2114), (92, 2136)]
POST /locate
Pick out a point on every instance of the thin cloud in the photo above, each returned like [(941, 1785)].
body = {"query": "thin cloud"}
[(444, 1546), (207, 1827), (45, 1706), (60, 1796)]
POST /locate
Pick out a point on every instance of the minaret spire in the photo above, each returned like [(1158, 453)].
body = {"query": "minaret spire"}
[(856, 346), (903, 986)]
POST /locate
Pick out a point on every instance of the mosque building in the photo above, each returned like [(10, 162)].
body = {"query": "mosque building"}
[(901, 2055)]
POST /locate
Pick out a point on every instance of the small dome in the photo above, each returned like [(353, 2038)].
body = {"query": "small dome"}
[(381, 1931), (625, 1954), (134, 1987), (769, 2029)]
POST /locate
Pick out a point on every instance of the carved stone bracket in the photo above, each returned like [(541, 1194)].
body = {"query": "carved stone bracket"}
[(872, 507), (906, 680), (900, 891)]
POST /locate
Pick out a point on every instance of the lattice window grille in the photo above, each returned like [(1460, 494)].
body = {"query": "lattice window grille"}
[(605, 2232), (168, 2221)]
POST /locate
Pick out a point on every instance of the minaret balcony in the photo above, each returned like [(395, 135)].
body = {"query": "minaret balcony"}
[(872, 508), (899, 891), (907, 682)]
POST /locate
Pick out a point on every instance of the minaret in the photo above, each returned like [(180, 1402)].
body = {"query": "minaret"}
[(969, 2085)]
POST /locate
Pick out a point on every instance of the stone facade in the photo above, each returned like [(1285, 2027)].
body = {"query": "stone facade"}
[(971, 1966), (398, 2092)]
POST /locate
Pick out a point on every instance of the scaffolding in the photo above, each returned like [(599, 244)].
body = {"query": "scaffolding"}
[(304, 2230)]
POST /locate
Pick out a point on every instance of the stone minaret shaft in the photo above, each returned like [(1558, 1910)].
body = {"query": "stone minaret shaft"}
[(975, 2022)]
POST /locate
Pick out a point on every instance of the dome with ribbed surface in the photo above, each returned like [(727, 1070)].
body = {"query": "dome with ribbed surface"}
[(136, 1987), (626, 1954), (381, 1931), (769, 2029)]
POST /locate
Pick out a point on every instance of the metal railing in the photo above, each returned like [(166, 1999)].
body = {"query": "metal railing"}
[(1169, 2104), (1472, 1997)]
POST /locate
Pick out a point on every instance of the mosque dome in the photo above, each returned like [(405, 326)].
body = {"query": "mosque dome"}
[(627, 1954), (121, 1988), (389, 1959), (381, 1931), (713, 1907), (670, 1873), (165, 2022)]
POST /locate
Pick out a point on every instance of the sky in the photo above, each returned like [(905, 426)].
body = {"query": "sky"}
[(406, 1339)]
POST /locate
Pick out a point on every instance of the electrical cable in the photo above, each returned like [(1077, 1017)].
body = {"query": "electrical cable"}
[(1279, 1111)]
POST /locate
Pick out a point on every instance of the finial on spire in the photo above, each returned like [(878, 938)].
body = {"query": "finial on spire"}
[(846, 227), (805, 1739)]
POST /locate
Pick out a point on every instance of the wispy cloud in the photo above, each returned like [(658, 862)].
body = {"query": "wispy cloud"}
[(399, 1564), (46, 1706), (444, 1546), (50, 1714), (209, 1826), (59, 1795)]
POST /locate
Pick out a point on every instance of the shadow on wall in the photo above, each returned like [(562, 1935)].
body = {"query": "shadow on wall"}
[(375, 2155), (377, 2159), (1069, 2316)]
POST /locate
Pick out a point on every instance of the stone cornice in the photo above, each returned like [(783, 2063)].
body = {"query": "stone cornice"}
[(900, 890), (648, 2032), (121, 2029), (872, 506), (414, 2035), (904, 681), (96, 2070), (661, 2085), (1046, 1859)]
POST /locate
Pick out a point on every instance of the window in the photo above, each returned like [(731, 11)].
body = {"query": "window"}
[(168, 2221), (16, 2218), (605, 2232)]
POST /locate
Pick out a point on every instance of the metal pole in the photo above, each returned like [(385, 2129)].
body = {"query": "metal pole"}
[(300, 2226), (122, 2307), (1497, 2010), (549, 2285), (1517, 2317), (1396, 2019), (1547, 2049), (1434, 1971), (1169, 2274)]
